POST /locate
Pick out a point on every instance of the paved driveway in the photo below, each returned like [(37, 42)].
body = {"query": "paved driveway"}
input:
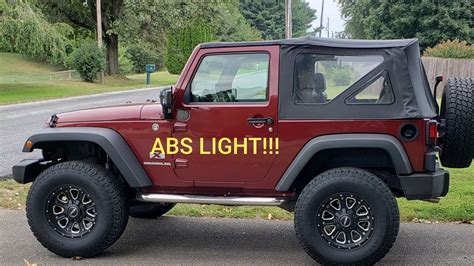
[(181, 240), (19, 121)]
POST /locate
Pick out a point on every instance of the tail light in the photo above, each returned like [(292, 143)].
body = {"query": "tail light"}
[(431, 132)]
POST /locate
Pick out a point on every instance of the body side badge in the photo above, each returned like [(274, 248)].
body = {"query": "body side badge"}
[(157, 155), (155, 127)]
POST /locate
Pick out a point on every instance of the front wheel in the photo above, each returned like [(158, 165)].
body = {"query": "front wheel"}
[(346, 216), (77, 209)]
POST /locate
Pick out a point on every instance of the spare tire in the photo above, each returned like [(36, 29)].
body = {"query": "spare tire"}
[(457, 110)]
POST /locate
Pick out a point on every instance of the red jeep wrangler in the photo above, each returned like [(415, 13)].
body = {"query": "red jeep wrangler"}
[(333, 130)]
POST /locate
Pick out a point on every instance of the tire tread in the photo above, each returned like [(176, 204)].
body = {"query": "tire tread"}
[(458, 141)]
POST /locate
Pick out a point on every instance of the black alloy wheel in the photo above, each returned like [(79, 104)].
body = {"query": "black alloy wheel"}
[(345, 221), (71, 212)]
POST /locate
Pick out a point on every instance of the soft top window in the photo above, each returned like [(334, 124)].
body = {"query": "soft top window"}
[(377, 91), (319, 78), (227, 78)]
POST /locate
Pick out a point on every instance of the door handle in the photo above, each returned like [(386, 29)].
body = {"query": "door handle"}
[(260, 120), (180, 163), (180, 127)]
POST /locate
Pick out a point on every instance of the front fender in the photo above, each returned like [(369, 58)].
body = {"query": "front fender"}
[(386, 142), (109, 140)]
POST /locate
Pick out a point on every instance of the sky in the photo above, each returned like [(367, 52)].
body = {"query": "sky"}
[(331, 10)]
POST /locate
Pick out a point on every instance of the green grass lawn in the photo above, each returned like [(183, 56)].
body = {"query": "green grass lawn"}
[(35, 85), (457, 206), (17, 64)]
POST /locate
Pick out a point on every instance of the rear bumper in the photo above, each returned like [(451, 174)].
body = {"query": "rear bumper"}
[(27, 170), (425, 185)]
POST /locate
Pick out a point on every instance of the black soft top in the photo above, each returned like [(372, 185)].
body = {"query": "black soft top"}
[(402, 62), (325, 42)]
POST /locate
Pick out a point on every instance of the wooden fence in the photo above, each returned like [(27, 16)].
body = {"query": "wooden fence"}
[(53, 76), (447, 67)]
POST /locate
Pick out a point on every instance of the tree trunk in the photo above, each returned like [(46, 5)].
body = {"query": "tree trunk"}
[(111, 42)]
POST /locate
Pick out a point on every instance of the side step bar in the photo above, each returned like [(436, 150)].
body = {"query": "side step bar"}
[(219, 200)]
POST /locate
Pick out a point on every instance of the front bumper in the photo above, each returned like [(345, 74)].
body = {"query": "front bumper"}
[(27, 170), (425, 185)]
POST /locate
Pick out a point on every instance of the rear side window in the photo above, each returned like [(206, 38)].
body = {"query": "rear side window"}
[(378, 91), (319, 78), (227, 78)]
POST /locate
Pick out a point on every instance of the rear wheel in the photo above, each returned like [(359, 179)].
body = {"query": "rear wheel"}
[(346, 216), (150, 210), (77, 209), (457, 109)]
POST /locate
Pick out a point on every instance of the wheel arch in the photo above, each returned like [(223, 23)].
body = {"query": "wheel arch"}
[(318, 145), (108, 140)]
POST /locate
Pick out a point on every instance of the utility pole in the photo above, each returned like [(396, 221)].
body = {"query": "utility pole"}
[(288, 22), (321, 19), (98, 9), (328, 27)]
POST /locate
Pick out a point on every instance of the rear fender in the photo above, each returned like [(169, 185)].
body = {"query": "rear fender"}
[(386, 142)]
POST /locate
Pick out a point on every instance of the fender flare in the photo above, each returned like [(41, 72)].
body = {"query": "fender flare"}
[(109, 140), (386, 142)]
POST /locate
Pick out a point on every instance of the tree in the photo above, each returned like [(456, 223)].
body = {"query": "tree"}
[(152, 24), (429, 21), (182, 42), (83, 14), (231, 26), (268, 16), (24, 30)]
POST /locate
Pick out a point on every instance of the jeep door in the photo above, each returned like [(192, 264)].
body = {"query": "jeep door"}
[(226, 94)]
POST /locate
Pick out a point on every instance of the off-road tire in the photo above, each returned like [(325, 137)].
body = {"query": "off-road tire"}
[(105, 190), (457, 108), (150, 210), (355, 182)]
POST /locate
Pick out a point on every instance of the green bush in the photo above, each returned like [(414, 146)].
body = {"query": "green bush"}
[(451, 49), (88, 60), (182, 42), (140, 56), (125, 64)]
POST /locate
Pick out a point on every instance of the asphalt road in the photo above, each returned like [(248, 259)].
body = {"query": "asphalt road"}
[(19, 121), (182, 240)]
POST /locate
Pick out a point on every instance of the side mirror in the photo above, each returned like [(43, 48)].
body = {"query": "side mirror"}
[(166, 100)]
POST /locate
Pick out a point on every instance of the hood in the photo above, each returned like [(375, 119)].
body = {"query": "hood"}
[(111, 113), (127, 112)]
